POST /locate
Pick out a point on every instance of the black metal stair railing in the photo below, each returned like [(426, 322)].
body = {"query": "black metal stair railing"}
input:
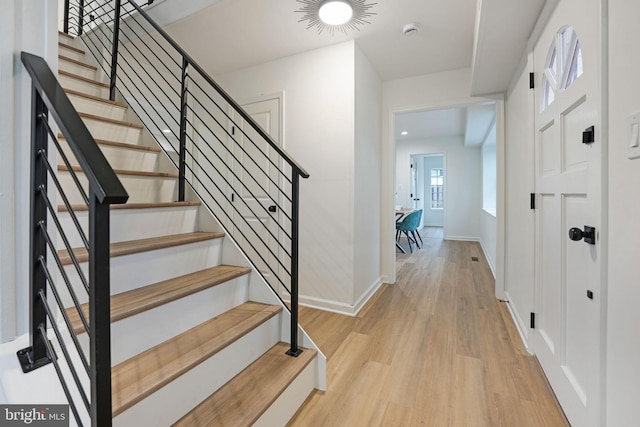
[(104, 189), (244, 177)]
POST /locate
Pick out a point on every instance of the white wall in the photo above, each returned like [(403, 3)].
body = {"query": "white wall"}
[(488, 223), (439, 90), (24, 26), (462, 182), (319, 132), (623, 345), (367, 179), (489, 171), (431, 217), (519, 182)]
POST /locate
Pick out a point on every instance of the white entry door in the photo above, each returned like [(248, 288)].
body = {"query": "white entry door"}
[(568, 153), (255, 199)]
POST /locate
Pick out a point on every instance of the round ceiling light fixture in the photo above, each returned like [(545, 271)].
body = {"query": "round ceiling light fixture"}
[(335, 15), (335, 12)]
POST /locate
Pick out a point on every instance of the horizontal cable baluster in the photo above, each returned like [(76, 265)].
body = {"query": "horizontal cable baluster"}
[(146, 70), (65, 276), (66, 162), (66, 200), (64, 349), (241, 199), (152, 38), (223, 111), (144, 83), (63, 312), (229, 134), (246, 222), (233, 172), (159, 128), (57, 258), (63, 381)]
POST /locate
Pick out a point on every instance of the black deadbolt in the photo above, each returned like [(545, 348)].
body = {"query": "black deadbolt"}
[(589, 234), (272, 208), (589, 135)]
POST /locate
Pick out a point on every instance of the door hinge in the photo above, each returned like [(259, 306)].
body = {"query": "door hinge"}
[(233, 197), (533, 321), (533, 200), (532, 81), (233, 130)]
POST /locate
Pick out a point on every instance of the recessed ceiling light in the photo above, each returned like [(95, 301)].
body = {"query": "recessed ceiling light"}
[(404, 132)]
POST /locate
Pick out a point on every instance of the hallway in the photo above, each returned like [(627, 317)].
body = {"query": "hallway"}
[(436, 349)]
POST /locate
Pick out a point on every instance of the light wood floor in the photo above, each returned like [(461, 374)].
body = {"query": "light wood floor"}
[(436, 349)]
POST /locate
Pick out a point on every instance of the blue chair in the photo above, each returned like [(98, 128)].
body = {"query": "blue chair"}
[(410, 224)]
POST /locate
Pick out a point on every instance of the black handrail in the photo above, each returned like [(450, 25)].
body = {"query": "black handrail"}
[(104, 189)]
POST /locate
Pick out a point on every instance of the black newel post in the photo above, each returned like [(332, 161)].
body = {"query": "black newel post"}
[(114, 51), (183, 130), (295, 225), (99, 312), (36, 355)]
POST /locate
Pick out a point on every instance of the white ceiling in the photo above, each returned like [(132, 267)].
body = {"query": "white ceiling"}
[(489, 36)]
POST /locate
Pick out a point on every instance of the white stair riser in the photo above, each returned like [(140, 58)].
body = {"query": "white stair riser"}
[(122, 158), (77, 69), (155, 326), (287, 404), (129, 224), (102, 109), (141, 189), (136, 270), (70, 53), (171, 402), (84, 87), (112, 131)]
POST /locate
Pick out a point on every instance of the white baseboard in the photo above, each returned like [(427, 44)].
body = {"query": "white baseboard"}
[(489, 260), (519, 324), (462, 238), (340, 307)]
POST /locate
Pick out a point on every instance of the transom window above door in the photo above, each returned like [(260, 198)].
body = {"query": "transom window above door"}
[(563, 67)]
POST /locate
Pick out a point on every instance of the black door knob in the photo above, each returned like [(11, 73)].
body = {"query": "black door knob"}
[(272, 208), (575, 234), (589, 234)]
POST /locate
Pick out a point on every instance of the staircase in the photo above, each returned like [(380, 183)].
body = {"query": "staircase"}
[(196, 336)]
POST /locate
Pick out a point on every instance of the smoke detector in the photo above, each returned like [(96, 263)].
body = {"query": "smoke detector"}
[(411, 29)]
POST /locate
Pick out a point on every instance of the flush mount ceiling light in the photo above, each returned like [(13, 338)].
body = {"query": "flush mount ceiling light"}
[(335, 15)]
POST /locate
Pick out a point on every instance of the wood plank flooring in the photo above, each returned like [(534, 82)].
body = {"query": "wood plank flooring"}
[(435, 349)]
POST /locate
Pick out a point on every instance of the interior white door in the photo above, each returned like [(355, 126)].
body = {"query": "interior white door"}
[(256, 195), (568, 181)]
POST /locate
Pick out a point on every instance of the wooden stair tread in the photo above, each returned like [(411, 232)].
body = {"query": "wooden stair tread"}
[(138, 300), (84, 79), (63, 34), (80, 63), (122, 145), (108, 120), (142, 375), (95, 98), (143, 245), (63, 168), (150, 205), (68, 46), (240, 402)]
